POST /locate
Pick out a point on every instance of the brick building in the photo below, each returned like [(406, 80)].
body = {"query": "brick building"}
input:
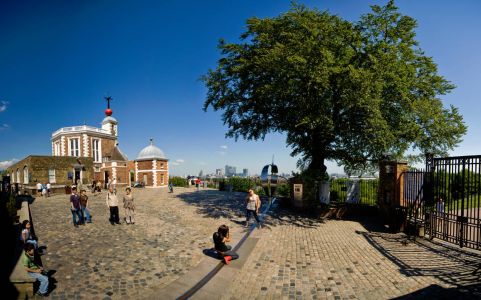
[(82, 154), (151, 167), (59, 171)]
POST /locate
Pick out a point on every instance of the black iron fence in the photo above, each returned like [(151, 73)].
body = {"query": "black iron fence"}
[(354, 191), (446, 199)]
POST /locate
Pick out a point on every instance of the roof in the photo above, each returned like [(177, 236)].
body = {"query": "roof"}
[(116, 154), (151, 152), (109, 119)]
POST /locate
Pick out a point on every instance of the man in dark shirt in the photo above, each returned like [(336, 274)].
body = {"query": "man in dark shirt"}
[(220, 238), (75, 208)]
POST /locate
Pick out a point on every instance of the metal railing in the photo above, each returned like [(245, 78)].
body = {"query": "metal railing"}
[(354, 191)]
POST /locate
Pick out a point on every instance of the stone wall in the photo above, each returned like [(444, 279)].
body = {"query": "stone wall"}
[(38, 169)]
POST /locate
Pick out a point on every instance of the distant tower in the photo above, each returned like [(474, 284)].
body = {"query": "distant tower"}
[(109, 123)]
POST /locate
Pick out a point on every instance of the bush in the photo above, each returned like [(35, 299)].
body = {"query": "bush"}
[(179, 181), (284, 190)]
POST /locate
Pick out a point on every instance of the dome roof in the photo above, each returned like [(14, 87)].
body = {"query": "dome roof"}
[(109, 119), (151, 152)]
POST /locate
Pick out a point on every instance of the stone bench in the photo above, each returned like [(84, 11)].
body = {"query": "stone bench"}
[(19, 277)]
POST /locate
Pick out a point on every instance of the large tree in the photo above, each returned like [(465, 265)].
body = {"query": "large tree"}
[(340, 90)]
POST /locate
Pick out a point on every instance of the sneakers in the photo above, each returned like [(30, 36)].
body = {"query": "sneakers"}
[(227, 259), (42, 294)]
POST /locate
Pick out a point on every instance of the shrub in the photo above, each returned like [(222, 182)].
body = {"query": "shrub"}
[(179, 181)]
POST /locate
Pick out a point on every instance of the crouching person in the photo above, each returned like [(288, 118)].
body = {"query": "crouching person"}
[(221, 237), (34, 270)]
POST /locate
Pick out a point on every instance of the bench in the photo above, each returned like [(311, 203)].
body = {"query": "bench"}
[(19, 277)]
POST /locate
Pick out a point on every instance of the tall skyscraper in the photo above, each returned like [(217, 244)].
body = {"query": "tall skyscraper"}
[(230, 171), (245, 172)]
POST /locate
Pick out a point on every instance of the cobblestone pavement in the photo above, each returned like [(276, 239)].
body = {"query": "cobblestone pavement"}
[(298, 257), (101, 261)]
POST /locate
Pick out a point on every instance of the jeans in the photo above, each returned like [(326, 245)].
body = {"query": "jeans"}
[(77, 216), (114, 214), (229, 252), (43, 289), (250, 212), (86, 214)]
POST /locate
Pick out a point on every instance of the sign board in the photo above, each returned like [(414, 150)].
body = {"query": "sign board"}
[(297, 192)]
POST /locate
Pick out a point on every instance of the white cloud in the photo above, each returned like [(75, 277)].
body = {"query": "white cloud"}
[(7, 163), (180, 161), (174, 163), (4, 126), (3, 106), (223, 147)]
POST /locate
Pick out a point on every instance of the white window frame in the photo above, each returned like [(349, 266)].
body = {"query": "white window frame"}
[(51, 176), (25, 175), (71, 151), (97, 150), (18, 176), (56, 148)]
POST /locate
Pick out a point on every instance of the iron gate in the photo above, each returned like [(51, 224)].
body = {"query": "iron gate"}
[(446, 199)]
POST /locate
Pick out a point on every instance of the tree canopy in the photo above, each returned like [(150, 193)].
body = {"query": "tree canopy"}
[(340, 90)]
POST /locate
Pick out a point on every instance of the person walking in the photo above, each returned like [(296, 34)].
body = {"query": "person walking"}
[(129, 206), (77, 217), (171, 187), (113, 204), (39, 189), (84, 200), (224, 251), (253, 204)]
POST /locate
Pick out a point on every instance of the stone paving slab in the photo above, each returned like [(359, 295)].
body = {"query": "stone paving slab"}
[(101, 261)]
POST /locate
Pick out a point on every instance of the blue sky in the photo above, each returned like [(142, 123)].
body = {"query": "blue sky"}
[(58, 59)]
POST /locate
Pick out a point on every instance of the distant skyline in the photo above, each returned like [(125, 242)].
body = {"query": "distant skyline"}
[(60, 58)]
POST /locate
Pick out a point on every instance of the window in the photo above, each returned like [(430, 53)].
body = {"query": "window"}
[(161, 165), (74, 147), (161, 178), (18, 176), (96, 150), (51, 175), (25, 175)]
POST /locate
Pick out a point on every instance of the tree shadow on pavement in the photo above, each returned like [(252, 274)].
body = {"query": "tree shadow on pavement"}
[(216, 204), (454, 266), (231, 205)]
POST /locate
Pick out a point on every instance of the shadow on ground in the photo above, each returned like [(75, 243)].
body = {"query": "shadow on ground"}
[(460, 268), (231, 205)]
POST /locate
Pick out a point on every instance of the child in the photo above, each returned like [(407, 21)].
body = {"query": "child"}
[(34, 270), (84, 206), (220, 238), (113, 204), (26, 235)]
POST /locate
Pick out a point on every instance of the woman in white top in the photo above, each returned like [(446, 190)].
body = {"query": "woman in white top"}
[(253, 204)]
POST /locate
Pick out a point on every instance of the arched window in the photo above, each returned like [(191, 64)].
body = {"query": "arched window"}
[(18, 176), (25, 175), (12, 177)]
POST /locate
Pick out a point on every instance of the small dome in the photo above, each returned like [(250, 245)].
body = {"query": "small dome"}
[(151, 152), (109, 119)]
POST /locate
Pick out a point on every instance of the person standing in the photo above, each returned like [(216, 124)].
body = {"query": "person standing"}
[(77, 217), (34, 270), (253, 204), (49, 189), (84, 200), (113, 204), (129, 207), (39, 189), (171, 187)]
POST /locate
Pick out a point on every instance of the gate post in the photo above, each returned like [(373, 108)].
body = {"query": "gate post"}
[(391, 193)]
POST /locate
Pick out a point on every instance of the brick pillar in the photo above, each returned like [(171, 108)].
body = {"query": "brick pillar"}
[(391, 190)]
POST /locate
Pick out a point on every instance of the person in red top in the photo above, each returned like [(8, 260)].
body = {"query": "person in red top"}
[(197, 183)]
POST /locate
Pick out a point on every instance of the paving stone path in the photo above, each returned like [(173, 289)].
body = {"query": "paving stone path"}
[(101, 261), (298, 257)]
